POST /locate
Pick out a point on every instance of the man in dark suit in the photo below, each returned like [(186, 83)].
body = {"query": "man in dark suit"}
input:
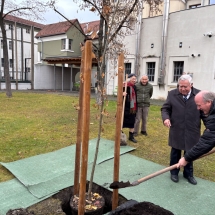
[(180, 115)]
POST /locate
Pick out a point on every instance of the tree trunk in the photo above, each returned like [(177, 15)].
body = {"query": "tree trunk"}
[(6, 61)]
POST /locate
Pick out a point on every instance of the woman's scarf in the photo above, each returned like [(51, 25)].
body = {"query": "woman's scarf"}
[(133, 103)]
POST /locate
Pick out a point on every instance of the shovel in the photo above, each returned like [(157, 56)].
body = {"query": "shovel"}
[(118, 185), (123, 138)]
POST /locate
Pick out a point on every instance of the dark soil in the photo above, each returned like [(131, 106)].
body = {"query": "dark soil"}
[(59, 204), (144, 208)]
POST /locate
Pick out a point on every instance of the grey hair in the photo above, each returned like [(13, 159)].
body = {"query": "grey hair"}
[(208, 96), (186, 77)]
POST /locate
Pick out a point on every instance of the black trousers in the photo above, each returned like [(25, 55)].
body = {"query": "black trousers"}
[(175, 156)]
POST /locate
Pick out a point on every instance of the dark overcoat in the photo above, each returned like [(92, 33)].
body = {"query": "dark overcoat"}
[(184, 132), (129, 118), (207, 140)]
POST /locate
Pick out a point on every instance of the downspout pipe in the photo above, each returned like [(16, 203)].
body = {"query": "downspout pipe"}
[(164, 43), (137, 51), (41, 57)]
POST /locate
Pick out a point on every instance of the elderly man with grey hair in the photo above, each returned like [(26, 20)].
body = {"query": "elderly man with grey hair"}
[(144, 93), (180, 115), (205, 102)]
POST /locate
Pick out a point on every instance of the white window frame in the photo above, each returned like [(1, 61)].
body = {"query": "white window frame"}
[(149, 75), (128, 63), (2, 62), (10, 45), (144, 69), (70, 44), (11, 63), (10, 26), (172, 59), (63, 44), (66, 45)]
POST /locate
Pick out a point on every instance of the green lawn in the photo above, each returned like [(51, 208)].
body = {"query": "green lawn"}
[(35, 123)]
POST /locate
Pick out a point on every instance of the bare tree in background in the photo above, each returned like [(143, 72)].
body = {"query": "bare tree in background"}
[(29, 9), (154, 7)]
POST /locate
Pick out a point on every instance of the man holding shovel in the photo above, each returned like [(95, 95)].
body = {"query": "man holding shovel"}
[(205, 102), (180, 115)]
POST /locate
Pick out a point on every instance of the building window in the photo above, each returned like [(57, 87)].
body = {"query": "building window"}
[(70, 44), (194, 6), (2, 62), (11, 63), (10, 26), (27, 30), (10, 45), (1, 44), (178, 70), (63, 44), (151, 71), (128, 68)]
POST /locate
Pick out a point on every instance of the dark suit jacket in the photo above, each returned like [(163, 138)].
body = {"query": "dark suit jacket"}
[(185, 120)]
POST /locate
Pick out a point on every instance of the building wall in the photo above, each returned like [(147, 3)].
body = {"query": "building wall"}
[(175, 5), (44, 77), (188, 27), (52, 46), (21, 54)]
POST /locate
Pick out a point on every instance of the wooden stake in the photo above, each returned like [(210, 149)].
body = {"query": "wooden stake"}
[(118, 127), (85, 123), (79, 129)]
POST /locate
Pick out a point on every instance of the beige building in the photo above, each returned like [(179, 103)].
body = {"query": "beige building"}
[(172, 44), (174, 6)]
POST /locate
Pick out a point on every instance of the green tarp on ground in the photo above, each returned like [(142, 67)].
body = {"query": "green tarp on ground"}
[(181, 198), (45, 174)]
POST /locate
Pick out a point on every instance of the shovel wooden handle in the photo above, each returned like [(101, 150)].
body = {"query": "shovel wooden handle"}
[(154, 174), (164, 170), (123, 104)]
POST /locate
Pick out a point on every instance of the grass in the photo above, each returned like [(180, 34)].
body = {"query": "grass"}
[(36, 123)]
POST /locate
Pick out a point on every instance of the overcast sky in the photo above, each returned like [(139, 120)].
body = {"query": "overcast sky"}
[(70, 10)]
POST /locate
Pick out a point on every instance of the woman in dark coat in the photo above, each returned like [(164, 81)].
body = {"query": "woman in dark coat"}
[(180, 115), (130, 107)]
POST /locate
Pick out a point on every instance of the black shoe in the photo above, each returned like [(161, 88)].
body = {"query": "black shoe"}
[(133, 140), (191, 179), (144, 133), (174, 178), (131, 137)]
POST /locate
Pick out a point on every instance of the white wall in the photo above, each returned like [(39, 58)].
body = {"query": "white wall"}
[(44, 77), (188, 27), (22, 86)]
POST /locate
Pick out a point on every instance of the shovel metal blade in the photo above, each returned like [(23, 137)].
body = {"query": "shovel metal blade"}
[(118, 185)]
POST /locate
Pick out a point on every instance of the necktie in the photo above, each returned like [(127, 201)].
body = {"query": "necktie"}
[(185, 98)]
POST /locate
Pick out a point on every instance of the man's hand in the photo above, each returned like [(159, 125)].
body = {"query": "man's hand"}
[(167, 123), (182, 162)]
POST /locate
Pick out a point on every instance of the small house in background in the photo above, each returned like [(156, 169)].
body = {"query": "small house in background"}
[(59, 55), (22, 51)]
